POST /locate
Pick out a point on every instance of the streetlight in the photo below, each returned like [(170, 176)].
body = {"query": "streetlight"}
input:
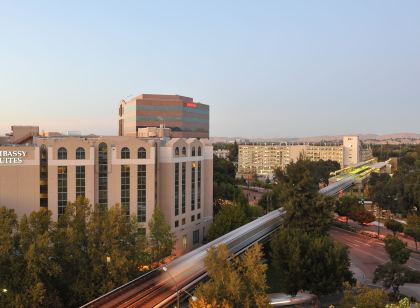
[(194, 298)]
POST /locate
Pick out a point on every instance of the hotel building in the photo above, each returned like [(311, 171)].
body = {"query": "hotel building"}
[(139, 173), (181, 114), (263, 159)]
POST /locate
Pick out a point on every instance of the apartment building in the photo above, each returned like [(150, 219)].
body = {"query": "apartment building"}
[(263, 159), (140, 173)]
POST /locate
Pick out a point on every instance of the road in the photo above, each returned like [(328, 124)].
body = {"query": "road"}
[(367, 253)]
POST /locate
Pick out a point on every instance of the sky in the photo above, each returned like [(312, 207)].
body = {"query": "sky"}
[(266, 68)]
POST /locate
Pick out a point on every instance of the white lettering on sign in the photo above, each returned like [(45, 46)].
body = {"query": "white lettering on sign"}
[(11, 157)]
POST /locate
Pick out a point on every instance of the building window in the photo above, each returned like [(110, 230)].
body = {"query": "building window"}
[(193, 171), (80, 153), (193, 151), (103, 175), (176, 151), (80, 181), (125, 189), (62, 153), (141, 153), (141, 193), (43, 177), (176, 223), (192, 218), (184, 151), (183, 221), (125, 153), (184, 241), (196, 237), (176, 189), (199, 185), (198, 216), (62, 189), (184, 167), (199, 151)]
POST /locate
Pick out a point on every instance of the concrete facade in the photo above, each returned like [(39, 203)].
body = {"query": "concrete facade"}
[(138, 173), (263, 159)]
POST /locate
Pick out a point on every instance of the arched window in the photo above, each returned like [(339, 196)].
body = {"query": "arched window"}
[(62, 153), (80, 153), (184, 151), (176, 151), (141, 153), (193, 151), (125, 153), (199, 151)]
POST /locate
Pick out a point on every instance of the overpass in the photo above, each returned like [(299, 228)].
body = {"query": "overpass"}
[(158, 288)]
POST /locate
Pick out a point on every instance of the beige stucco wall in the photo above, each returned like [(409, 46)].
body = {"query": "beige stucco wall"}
[(19, 185)]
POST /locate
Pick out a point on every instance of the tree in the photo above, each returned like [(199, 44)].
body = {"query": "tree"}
[(10, 263), (397, 250), (413, 227), (311, 213), (233, 155), (161, 240), (393, 274), (89, 251), (315, 171), (363, 297), (361, 215), (345, 205), (224, 184), (41, 268), (229, 218), (241, 283), (297, 191), (403, 303), (295, 256), (394, 226)]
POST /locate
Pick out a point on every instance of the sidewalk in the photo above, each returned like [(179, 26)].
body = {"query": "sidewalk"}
[(382, 230), (358, 274), (408, 289)]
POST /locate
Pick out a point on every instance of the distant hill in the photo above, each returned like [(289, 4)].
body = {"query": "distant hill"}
[(397, 138)]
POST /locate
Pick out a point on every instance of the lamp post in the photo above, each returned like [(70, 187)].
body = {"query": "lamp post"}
[(165, 269)]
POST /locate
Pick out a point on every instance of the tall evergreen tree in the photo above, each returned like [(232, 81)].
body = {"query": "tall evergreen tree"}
[(305, 261)]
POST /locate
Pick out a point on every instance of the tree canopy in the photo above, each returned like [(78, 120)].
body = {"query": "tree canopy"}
[(401, 192), (89, 251), (296, 261), (394, 226), (393, 274), (241, 283), (413, 227)]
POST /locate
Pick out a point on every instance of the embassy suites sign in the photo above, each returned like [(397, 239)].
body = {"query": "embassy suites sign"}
[(12, 157)]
